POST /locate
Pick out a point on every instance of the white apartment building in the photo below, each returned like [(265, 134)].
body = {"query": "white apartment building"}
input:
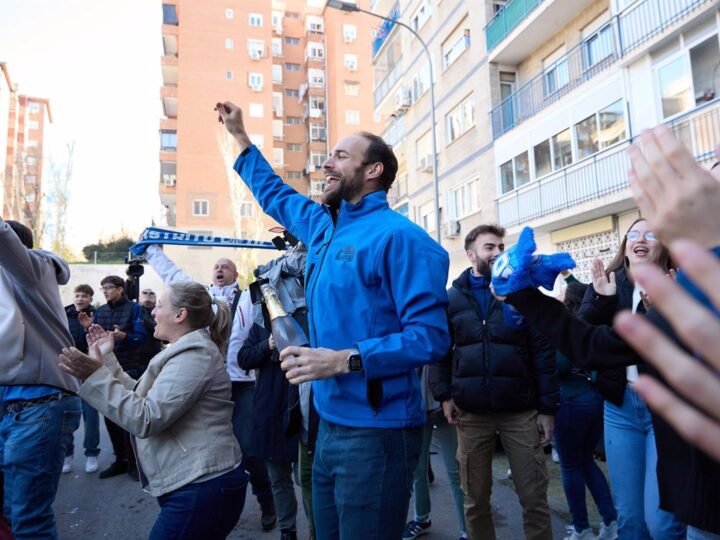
[(578, 81)]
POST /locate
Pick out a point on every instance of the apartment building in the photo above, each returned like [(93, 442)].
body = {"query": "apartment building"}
[(24, 122), (574, 82), (453, 32), (273, 58)]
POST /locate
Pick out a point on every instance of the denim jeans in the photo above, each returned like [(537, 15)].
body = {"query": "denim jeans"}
[(32, 449), (446, 438), (202, 510), (283, 490), (632, 462), (91, 441), (362, 478), (242, 419), (578, 428), (304, 473)]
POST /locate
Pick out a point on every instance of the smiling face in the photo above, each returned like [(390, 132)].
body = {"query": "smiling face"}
[(483, 252), (345, 170), (224, 273), (641, 244)]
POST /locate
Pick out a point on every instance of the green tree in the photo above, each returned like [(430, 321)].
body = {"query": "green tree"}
[(110, 251)]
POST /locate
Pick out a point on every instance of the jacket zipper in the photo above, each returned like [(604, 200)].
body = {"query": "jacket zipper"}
[(318, 268)]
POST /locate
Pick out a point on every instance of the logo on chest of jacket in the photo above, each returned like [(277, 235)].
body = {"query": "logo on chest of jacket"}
[(346, 254)]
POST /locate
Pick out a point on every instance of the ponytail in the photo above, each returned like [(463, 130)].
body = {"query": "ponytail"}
[(219, 328)]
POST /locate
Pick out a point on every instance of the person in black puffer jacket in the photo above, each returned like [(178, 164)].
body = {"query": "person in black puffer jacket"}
[(500, 376)]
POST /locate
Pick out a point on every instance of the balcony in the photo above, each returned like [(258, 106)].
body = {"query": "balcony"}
[(622, 35), (169, 66), (518, 29), (383, 89), (395, 133), (385, 29), (168, 94), (604, 173)]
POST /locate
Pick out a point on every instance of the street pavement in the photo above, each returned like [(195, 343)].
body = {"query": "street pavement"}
[(88, 508)]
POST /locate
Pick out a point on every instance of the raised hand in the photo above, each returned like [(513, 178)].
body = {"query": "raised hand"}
[(603, 284), (678, 197), (697, 417), (84, 319), (231, 116), (97, 336), (79, 364)]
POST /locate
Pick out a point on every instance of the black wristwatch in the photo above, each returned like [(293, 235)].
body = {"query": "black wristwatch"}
[(354, 361)]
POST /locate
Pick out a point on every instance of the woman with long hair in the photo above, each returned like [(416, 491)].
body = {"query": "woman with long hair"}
[(178, 413), (629, 434)]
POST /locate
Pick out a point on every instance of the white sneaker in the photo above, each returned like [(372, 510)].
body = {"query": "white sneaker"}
[(555, 456), (508, 475), (586, 534), (91, 464), (67, 464), (608, 532)]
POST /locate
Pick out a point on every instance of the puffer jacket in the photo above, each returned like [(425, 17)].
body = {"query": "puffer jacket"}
[(493, 366), (76, 329), (179, 411)]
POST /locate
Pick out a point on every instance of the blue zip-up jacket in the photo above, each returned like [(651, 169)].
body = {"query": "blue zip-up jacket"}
[(374, 281)]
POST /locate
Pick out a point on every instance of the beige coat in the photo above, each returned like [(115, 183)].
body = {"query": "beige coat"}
[(179, 410)]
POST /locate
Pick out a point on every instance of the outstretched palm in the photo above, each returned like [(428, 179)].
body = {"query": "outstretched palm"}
[(99, 340), (603, 284)]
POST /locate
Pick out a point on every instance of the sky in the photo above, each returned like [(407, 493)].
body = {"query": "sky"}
[(99, 64)]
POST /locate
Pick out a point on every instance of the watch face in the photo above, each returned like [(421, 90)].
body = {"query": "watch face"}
[(355, 362)]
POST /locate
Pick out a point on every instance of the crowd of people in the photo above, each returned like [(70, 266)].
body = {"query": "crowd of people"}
[(199, 399)]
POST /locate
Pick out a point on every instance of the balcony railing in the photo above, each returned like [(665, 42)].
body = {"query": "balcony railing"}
[(394, 134), (622, 34), (603, 173), (383, 89), (506, 19)]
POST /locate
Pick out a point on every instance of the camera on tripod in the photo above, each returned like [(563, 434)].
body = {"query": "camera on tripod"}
[(134, 270)]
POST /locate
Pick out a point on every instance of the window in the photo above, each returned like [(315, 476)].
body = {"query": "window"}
[(32, 124), (455, 45), (258, 139), (293, 120), (229, 44), (555, 71), (421, 15), (245, 209), (170, 14), (426, 216), (292, 14), (277, 103), (602, 129), (256, 110), (514, 173), (278, 157), (403, 210), (315, 51), (229, 75), (317, 159), (463, 200), (292, 41), (33, 107), (292, 92), (168, 172), (256, 48), (229, 13), (201, 207), (351, 62), (314, 23), (255, 19), (423, 151), (421, 83), (460, 119), (597, 43), (277, 129), (316, 106), (32, 161), (553, 153), (690, 79), (255, 80), (30, 197), (316, 77), (276, 47), (352, 118), (293, 147), (543, 158), (30, 178), (318, 132), (352, 89), (294, 175), (277, 71), (349, 32), (31, 143), (292, 67), (168, 141), (276, 21)]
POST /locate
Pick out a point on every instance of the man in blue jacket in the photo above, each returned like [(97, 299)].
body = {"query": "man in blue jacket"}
[(375, 290)]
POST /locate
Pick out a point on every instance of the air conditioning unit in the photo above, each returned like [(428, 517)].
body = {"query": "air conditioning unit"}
[(426, 163), (402, 100), (451, 228), (315, 113), (255, 55), (169, 180)]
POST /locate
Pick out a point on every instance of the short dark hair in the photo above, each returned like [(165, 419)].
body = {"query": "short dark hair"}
[(489, 228), (113, 280), (23, 233), (84, 288), (380, 151)]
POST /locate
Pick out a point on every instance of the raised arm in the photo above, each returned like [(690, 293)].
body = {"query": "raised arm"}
[(164, 266), (23, 264)]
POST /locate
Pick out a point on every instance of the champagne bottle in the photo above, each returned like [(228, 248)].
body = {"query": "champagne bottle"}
[(286, 330)]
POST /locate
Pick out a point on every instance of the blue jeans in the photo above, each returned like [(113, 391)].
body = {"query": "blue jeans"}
[(207, 510), (632, 463), (32, 449), (91, 442), (242, 417), (578, 427), (361, 481), (446, 439)]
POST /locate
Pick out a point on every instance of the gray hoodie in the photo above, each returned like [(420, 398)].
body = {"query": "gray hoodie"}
[(33, 324)]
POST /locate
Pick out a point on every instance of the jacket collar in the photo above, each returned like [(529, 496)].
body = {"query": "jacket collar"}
[(119, 302), (377, 200), (462, 282)]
